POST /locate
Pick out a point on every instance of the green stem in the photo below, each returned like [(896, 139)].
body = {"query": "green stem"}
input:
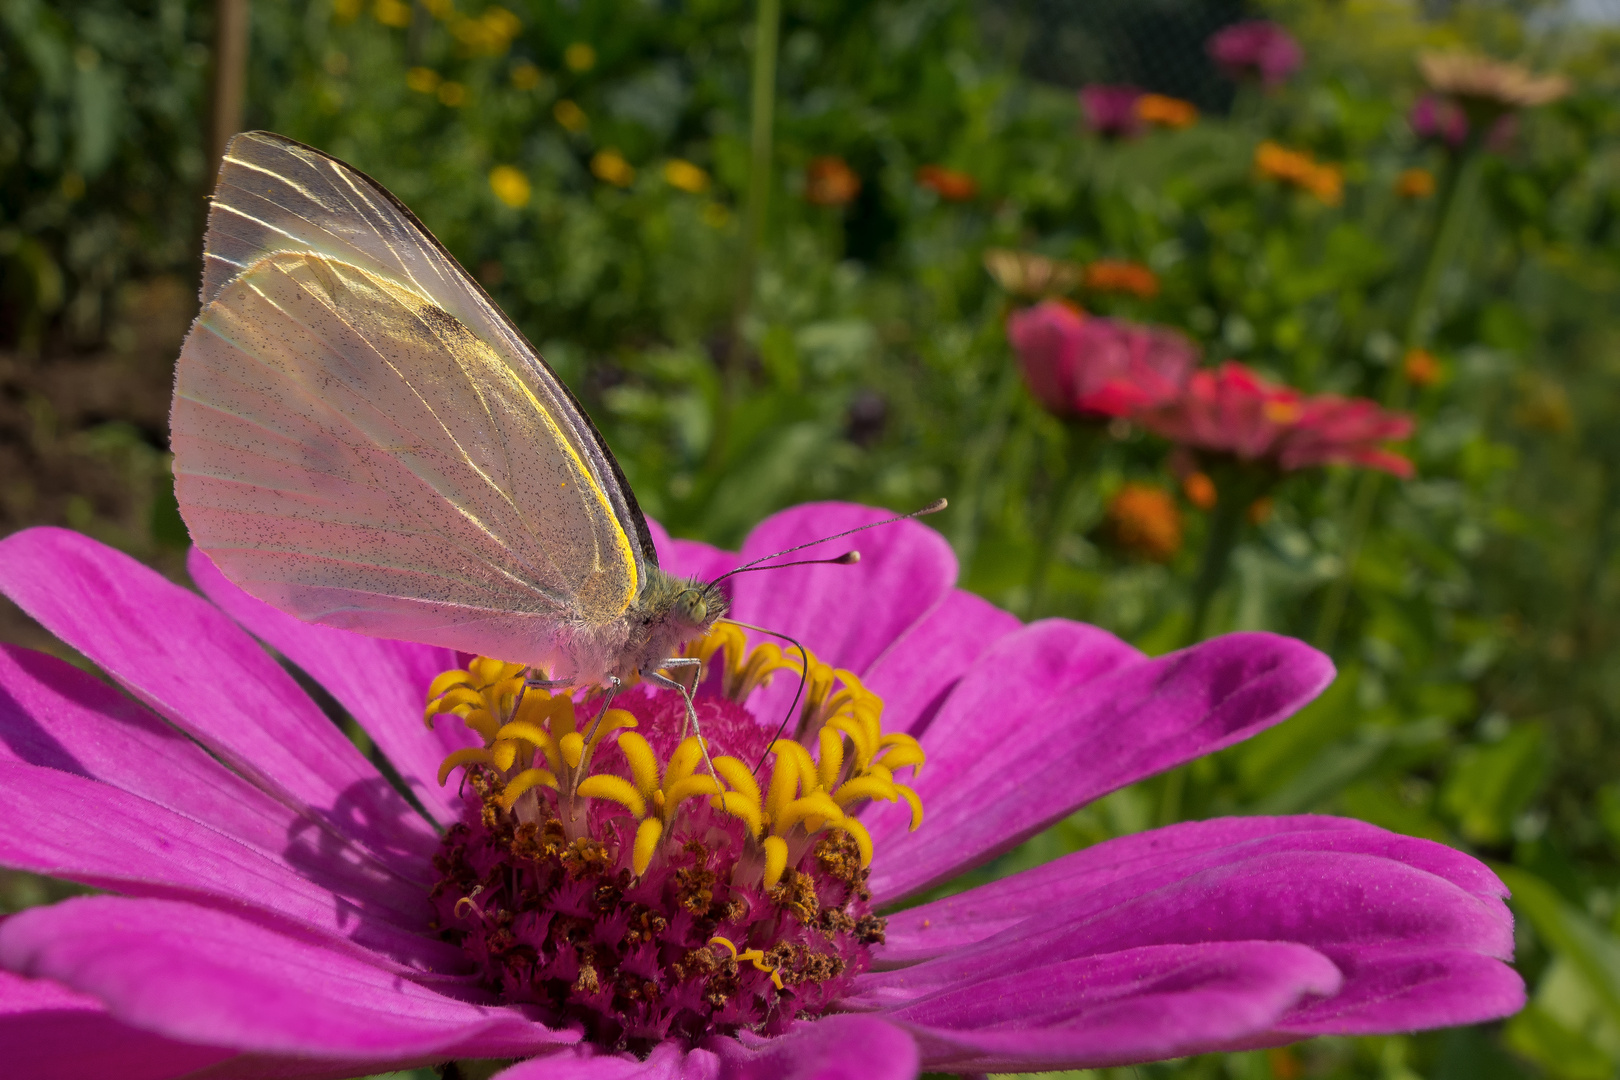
[(1397, 389), (967, 507), (762, 103), (1079, 440), (1232, 500)]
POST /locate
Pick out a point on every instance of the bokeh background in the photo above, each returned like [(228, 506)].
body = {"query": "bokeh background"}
[(824, 326)]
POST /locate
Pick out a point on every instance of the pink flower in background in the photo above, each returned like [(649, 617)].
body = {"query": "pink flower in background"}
[(1231, 410), (283, 912), (1080, 365), (1259, 49), (1111, 110), (1439, 119)]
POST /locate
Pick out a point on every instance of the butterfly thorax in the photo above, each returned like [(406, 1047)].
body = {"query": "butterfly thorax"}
[(668, 613)]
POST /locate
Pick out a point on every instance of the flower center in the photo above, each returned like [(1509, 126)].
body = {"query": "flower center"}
[(618, 872)]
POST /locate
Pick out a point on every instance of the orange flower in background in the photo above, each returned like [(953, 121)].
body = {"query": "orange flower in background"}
[(1421, 368), (1415, 184), (1166, 111), (1144, 520), (1300, 169), (1200, 490), (1121, 275), (1260, 510), (948, 184), (829, 181)]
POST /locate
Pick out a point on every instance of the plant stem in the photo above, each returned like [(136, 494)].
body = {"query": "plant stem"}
[(1397, 389), (762, 103), (1080, 439), (1234, 493)]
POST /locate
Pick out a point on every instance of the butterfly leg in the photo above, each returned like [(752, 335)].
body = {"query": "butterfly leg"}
[(533, 679), (658, 678)]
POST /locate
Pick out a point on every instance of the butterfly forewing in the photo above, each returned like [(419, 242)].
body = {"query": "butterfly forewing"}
[(351, 450)]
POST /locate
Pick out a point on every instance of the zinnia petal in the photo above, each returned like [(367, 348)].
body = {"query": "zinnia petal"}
[(689, 558), (917, 673), (846, 615), (1142, 1004), (832, 1048), (1011, 771), (205, 976), (198, 669), (381, 683), (48, 1032)]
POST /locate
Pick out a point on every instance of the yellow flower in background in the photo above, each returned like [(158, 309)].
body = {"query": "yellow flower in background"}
[(453, 94), (346, 11), (609, 166), (510, 186), (441, 9), (579, 57), (1415, 184), (392, 13), (526, 76), (570, 116), (686, 176), (422, 80), (491, 32)]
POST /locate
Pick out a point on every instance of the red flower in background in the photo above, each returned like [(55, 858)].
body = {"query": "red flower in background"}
[(948, 184), (1111, 110), (829, 181), (1231, 410), (1258, 48), (1078, 365)]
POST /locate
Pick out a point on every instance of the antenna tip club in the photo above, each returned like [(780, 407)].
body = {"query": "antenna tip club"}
[(932, 508), (848, 558)]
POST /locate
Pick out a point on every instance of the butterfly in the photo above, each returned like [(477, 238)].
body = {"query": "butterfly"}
[(362, 439), (1026, 274)]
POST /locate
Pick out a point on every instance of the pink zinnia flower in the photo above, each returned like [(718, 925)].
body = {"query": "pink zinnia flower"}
[(285, 912), (1111, 110), (1258, 48), (1080, 365), (1231, 410), (1435, 118)]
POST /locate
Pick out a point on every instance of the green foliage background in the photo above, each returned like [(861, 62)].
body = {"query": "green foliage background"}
[(1478, 687)]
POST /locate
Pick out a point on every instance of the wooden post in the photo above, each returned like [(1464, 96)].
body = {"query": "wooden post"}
[(231, 20)]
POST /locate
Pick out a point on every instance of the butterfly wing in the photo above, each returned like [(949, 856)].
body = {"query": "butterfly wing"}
[(361, 438)]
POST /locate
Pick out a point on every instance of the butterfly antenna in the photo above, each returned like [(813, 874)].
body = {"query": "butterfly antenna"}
[(804, 675), (843, 560)]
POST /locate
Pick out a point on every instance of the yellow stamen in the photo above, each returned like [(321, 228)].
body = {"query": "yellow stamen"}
[(914, 802), (832, 757), (648, 833), (816, 804), (468, 756), (865, 787), (776, 855), (445, 680), (524, 781), (863, 839), (643, 762), (534, 735), (740, 806), (616, 788), (681, 790), (683, 762), (615, 720), (734, 772), (572, 748), (503, 755)]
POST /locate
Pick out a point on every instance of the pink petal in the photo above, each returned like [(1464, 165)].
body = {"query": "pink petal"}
[(846, 615), (201, 975), (383, 684), (666, 1062), (832, 1048), (1142, 1004), (48, 1032), (189, 662), (1409, 989), (917, 673), (1077, 884), (56, 716), (69, 827), (1015, 769), (689, 558)]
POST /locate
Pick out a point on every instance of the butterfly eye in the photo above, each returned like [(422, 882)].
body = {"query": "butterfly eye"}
[(696, 607)]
